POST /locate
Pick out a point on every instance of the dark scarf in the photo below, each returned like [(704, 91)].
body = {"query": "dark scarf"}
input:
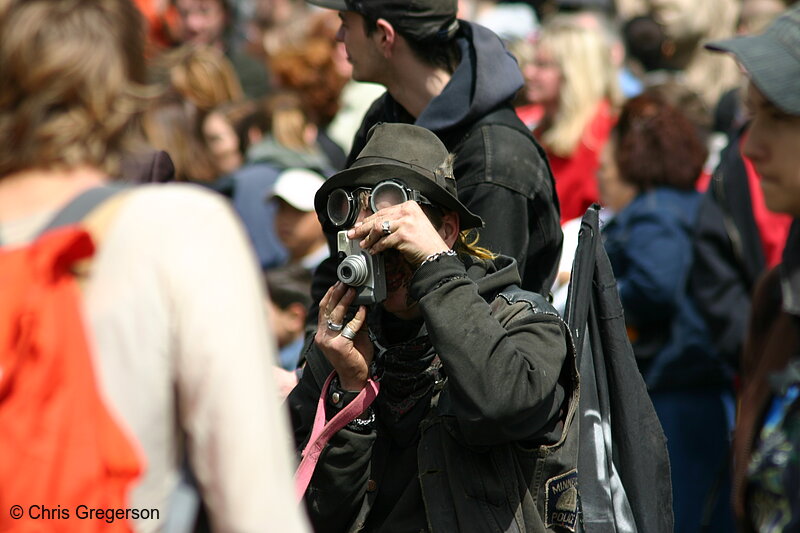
[(408, 368)]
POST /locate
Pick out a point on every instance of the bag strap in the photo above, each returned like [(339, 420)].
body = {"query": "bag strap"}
[(322, 432), (79, 207), (94, 208)]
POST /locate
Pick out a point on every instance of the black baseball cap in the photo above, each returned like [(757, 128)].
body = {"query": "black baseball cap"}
[(417, 19), (772, 59)]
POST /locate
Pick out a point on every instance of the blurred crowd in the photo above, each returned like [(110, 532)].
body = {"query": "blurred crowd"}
[(255, 100)]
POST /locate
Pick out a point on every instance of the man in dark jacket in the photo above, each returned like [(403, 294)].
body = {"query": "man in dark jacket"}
[(766, 448), (457, 80), (474, 426), (735, 240)]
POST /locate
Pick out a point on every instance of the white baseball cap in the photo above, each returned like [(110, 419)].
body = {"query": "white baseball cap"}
[(297, 187)]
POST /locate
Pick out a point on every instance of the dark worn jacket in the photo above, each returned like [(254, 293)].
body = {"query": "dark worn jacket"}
[(772, 342), (492, 448), (501, 172), (728, 255)]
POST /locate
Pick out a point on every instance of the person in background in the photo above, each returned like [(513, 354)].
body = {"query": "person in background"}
[(687, 24), (309, 69), (457, 79), (650, 53), (173, 304), (648, 174), (755, 16), (276, 136), (283, 136), (275, 24), (296, 221), (224, 137), (170, 124), (766, 448), (593, 14), (356, 96), (202, 75), (211, 23), (736, 237), (193, 81), (289, 289), (573, 78)]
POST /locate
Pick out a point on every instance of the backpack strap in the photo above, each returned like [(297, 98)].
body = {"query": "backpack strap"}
[(94, 208), (79, 207)]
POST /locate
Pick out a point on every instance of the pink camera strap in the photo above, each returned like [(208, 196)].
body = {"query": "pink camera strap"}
[(321, 433)]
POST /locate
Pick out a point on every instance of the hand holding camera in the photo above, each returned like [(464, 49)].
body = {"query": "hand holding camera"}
[(397, 221), (406, 228), (345, 344)]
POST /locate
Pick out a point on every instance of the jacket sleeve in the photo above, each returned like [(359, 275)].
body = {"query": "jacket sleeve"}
[(718, 284), (503, 368), (339, 483)]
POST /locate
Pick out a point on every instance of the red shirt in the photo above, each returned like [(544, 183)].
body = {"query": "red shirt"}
[(773, 228), (576, 175)]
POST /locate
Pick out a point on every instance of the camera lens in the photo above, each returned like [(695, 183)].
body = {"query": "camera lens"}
[(353, 270)]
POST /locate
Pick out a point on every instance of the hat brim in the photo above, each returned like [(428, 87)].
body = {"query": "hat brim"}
[(338, 5), (372, 174), (771, 67)]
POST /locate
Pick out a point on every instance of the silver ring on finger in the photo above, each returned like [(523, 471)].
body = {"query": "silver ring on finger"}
[(348, 333), (333, 326), (386, 227)]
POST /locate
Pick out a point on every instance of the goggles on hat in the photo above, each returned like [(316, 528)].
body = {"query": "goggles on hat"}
[(343, 205)]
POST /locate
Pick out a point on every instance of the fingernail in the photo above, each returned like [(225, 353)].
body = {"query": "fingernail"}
[(351, 233)]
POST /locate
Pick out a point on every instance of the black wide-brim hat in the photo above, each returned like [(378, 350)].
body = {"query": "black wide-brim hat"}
[(410, 154)]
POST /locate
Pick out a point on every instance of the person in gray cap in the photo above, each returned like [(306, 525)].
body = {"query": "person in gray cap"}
[(766, 455), (474, 425), (457, 80)]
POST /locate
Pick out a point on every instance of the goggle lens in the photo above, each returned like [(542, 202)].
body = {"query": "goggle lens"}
[(339, 207), (387, 194), (343, 206)]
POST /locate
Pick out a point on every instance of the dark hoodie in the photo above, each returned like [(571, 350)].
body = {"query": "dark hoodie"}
[(502, 173)]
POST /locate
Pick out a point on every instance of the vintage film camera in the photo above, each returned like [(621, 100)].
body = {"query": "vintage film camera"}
[(361, 270)]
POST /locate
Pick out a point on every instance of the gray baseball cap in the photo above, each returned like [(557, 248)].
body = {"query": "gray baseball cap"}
[(772, 59)]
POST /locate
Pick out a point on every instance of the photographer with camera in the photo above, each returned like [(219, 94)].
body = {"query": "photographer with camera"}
[(474, 423)]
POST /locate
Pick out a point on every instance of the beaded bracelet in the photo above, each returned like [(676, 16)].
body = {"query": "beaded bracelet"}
[(433, 257), (364, 423)]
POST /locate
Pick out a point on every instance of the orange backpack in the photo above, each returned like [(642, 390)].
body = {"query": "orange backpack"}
[(61, 452)]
